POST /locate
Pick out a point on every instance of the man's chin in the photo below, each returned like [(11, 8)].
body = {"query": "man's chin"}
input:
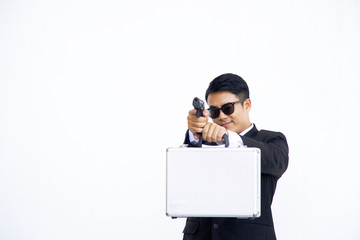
[(230, 128)]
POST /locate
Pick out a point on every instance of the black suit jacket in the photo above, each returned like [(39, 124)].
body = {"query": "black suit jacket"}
[(274, 162)]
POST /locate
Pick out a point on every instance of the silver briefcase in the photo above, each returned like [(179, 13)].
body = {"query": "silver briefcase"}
[(213, 182)]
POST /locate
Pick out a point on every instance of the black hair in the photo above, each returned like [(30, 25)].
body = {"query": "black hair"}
[(231, 83)]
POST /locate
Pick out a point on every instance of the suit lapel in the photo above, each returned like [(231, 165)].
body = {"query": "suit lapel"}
[(252, 133)]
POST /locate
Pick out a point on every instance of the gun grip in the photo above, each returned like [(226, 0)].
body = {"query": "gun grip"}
[(226, 138), (199, 113)]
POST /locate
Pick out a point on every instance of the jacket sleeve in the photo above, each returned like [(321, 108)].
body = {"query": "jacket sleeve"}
[(186, 140), (274, 151)]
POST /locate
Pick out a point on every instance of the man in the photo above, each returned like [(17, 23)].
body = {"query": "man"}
[(228, 98)]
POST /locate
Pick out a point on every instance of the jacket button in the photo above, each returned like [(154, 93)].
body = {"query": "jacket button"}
[(216, 226)]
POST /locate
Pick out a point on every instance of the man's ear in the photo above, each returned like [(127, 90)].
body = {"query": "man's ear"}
[(247, 105)]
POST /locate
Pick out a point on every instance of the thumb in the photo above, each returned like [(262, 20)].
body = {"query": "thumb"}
[(206, 113)]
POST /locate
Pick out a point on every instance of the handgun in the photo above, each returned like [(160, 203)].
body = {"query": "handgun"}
[(199, 106)]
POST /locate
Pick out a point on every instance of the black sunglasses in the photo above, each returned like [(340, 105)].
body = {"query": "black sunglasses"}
[(227, 108)]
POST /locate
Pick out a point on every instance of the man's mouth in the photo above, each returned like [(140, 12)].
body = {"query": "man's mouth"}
[(225, 124)]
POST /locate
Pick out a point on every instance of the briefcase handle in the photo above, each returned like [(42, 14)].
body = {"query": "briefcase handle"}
[(198, 104)]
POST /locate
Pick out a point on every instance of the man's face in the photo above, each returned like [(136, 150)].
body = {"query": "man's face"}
[(239, 120)]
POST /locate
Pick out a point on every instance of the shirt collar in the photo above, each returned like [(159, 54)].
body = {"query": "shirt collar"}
[(246, 130)]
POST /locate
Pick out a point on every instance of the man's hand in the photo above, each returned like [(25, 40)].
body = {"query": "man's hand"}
[(197, 124), (213, 132)]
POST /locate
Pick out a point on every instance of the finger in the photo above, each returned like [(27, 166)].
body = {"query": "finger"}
[(205, 132), (213, 134), (210, 128), (192, 112), (197, 119), (196, 124), (216, 134), (206, 113), (221, 134), (196, 130)]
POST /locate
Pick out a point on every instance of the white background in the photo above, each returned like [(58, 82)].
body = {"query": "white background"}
[(93, 92)]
